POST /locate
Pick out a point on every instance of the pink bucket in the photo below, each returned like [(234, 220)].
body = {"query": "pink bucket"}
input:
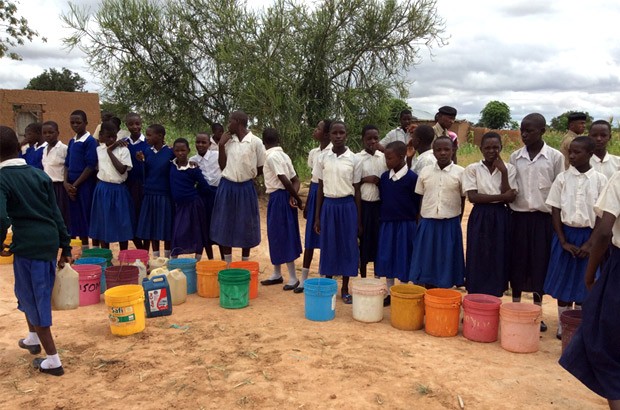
[(89, 283), (481, 317), (131, 255)]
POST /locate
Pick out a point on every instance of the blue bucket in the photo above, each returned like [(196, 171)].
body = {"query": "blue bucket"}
[(188, 266), (320, 299), (93, 260)]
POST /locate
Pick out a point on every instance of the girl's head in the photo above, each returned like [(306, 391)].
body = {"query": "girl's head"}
[(370, 138), (321, 132), (580, 151), (78, 121), (238, 121), (9, 144), (117, 122), (217, 130), (50, 132), (600, 132), (33, 134), (442, 149), (155, 134), (271, 137), (491, 146), (532, 129), (181, 150), (133, 122), (338, 134), (107, 133), (423, 136), (202, 143), (395, 153)]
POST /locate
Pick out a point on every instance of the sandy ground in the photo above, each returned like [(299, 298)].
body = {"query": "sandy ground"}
[(267, 355)]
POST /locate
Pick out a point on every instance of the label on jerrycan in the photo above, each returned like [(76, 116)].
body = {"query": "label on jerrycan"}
[(158, 300)]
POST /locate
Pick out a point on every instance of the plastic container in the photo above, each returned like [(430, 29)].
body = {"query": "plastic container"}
[(121, 275), (443, 310), (178, 286), (570, 320), (320, 299), (89, 284), (234, 288), (188, 266), (520, 327), (95, 261), (141, 270), (368, 295), (66, 292), (158, 271), (253, 267), (407, 307), (157, 263), (206, 278), (76, 248), (157, 300), (98, 253), (128, 256), (126, 309), (481, 317)]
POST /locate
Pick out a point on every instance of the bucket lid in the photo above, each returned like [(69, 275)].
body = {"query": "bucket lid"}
[(92, 260), (234, 274), (571, 317), (408, 291), (439, 295), (481, 301), (87, 270), (124, 270), (521, 310), (182, 261), (368, 287), (320, 286), (124, 294)]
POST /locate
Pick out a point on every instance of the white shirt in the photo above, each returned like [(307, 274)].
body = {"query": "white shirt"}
[(54, 161), (213, 146), (535, 177), (129, 140), (277, 163), (609, 201), (397, 134), (107, 172), (14, 162), (441, 190), (209, 166), (607, 166), (122, 134), (423, 160), (478, 178), (371, 165), (395, 176), (575, 194), (313, 157), (243, 158), (338, 173)]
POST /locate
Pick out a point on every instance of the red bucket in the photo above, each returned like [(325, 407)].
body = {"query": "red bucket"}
[(121, 275), (570, 319), (90, 285), (253, 267), (481, 317), (131, 255)]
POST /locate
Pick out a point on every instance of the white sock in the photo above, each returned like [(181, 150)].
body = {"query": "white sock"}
[(577, 307), (156, 254), (389, 282), (292, 275), (51, 362), (228, 259), (245, 258), (304, 276), (277, 272), (32, 339), (166, 253)]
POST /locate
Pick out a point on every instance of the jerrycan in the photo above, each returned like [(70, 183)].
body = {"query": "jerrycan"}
[(157, 296), (157, 263), (66, 292), (178, 286), (141, 270), (157, 272)]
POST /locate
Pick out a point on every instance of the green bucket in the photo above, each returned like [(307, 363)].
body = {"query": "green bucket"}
[(99, 253), (234, 288)]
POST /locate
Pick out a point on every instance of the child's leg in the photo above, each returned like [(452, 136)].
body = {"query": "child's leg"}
[(221, 248), (45, 335), (538, 301), (154, 246), (85, 243), (32, 339), (516, 296), (209, 251), (103, 244), (614, 404), (227, 253), (275, 278), (166, 248), (293, 282), (245, 254), (137, 242), (345, 285), (124, 245), (562, 307), (363, 269), (96, 243)]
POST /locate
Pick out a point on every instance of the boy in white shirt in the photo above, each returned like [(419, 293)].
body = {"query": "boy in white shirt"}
[(421, 143), (54, 156), (602, 161)]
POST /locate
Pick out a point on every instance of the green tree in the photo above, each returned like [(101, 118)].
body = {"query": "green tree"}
[(495, 115), (54, 80), (16, 29), (289, 65), (560, 123)]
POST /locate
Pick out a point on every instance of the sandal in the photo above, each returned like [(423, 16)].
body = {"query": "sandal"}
[(347, 299)]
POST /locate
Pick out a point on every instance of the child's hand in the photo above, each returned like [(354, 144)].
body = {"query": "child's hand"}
[(584, 250), (410, 149), (5, 250), (63, 260), (140, 156), (371, 179), (317, 226), (294, 203), (193, 164), (225, 138), (510, 195), (499, 165), (117, 143), (570, 248), (305, 211)]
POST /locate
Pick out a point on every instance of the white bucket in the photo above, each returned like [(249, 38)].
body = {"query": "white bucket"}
[(368, 295)]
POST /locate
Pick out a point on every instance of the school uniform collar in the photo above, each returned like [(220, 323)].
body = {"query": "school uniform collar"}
[(589, 173), (544, 151), (447, 168), (82, 138), (395, 176), (605, 158), (347, 153), (38, 146), (481, 164), (439, 129), (365, 153), (139, 140), (14, 162), (156, 151), (245, 139), (184, 167), (274, 149), (327, 148)]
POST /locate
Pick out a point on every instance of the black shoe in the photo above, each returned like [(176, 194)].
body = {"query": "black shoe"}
[(543, 326), (56, 371), (291, 287), (387, 301), (33, 349), (269, 282), (298, 289)]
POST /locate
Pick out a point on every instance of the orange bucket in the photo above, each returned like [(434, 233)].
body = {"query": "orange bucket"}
[(252, 266), (206, 275), (443, 310)]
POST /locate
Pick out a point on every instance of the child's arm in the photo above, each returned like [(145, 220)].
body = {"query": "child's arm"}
[(317, 211), (370, 179), (71, 191), (462, 208), (556, 219), (600, 238), (120, 167), (358, 205), (290, 187), (222, 158)]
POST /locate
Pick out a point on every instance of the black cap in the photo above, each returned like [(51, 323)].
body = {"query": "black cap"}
[(577, 116), (447, 110)]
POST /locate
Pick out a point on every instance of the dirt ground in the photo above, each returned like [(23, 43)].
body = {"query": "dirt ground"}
[(269, 356)]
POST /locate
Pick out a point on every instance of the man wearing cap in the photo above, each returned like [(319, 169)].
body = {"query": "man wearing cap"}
[(445, 118), (576, 127)]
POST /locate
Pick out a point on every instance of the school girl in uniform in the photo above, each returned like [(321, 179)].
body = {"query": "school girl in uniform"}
[(32, 152), (572, 197), (531, 231), (372, 162), (400, 206), (235, 221), (311, 238), (189, 233), (421, 143), (111, 216), (602, 161), (438, 259), (80, 175), (53, 160), (156, 213), (490, 185), (282, 221), (338, 209), (593, 356)]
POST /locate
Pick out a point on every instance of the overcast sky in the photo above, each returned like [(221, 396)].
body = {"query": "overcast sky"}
[(536, 56)]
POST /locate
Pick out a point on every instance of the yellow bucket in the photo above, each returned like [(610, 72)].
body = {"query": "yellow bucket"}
[(7, 260), (407, 307), (126, 309)]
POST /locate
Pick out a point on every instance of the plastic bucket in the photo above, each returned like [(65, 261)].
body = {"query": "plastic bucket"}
[(443, 310), (253, 267), (126, 309), (368, 295), (121, 275), (188, 266), (407, 307), (131, 255), (234, 288), (570, 320), (90, 284), (481, 317), (98, 253), (206, 278), (520, 327), (320, 299), (95, 261)]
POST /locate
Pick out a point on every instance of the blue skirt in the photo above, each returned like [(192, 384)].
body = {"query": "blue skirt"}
[(136, 191), (79, 210), (438, 253), (156, 217), (34, 281), (282, 229), (395, 249), (111, 216), (339, 250), (370, 231), (235, 221), (312, 239), (189, 233), (208, 199), (62, 200), (487, 249), (565, 279), (593, 355)]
